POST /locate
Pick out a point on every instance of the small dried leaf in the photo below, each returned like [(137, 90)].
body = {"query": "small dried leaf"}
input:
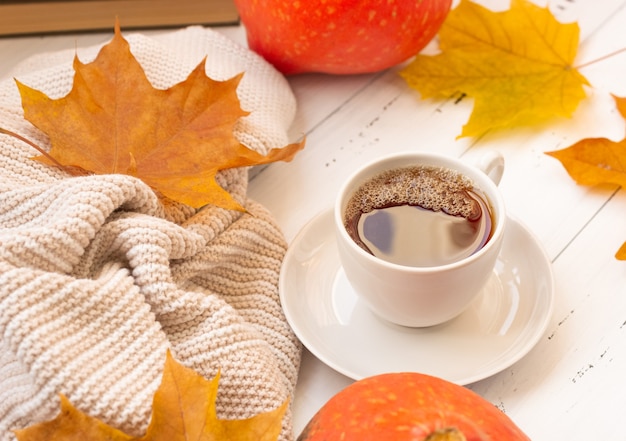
[(595, 161)]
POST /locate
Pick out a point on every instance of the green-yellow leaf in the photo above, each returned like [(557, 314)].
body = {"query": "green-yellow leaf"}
[(517, 65)]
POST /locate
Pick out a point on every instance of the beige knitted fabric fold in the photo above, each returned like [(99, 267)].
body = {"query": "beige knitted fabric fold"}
[(98, 278)]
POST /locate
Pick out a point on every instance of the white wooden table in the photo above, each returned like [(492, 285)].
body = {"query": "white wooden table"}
[(572, 384)]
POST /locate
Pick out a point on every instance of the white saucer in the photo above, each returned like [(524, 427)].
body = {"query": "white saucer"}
[(498, 329)]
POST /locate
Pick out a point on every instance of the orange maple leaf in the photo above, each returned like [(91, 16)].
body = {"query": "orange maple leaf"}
[(175, 140), (183, 409), (594, 161)]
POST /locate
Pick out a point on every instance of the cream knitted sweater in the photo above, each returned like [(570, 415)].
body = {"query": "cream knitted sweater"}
[(98, 278)]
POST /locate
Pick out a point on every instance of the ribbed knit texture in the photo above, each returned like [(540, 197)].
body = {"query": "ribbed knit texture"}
[(98, 278)]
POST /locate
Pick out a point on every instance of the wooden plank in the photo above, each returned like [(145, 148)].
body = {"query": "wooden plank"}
[(35, 17)]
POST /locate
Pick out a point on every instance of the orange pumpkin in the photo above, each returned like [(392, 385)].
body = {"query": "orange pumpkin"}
[(409, 407)]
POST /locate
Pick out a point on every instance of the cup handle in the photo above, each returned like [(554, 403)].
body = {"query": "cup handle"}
[(492, 164)]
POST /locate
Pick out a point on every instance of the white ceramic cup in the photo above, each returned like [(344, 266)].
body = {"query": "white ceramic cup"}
[(422, 296)]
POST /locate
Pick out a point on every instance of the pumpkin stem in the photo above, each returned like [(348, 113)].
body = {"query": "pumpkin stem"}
[(446, 434)]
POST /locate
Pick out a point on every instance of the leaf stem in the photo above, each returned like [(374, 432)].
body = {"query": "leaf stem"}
[(602, 58), (33, 145)]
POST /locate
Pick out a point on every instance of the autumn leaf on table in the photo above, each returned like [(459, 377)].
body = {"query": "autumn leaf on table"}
[(183, 409), (516, 65), (594, 161), (175, 140)]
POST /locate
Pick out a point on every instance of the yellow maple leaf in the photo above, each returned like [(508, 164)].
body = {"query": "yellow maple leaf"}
[(175, 140), (516, 65), (595, 161), (183, 409)]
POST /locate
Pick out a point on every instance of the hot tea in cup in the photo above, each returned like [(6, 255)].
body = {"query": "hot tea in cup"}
[(419, 234), (419, 216)]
